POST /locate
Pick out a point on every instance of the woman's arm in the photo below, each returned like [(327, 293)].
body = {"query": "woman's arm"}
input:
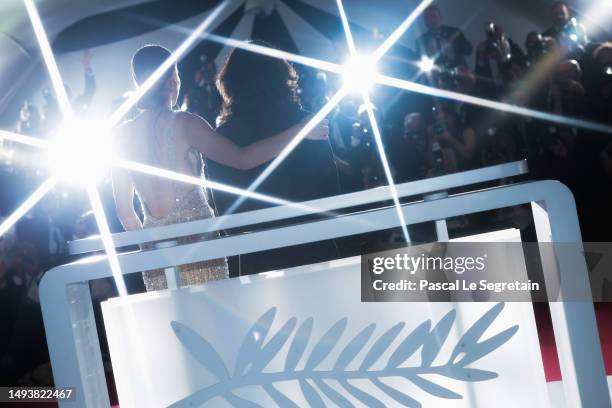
[(202, 137), (123, 190)]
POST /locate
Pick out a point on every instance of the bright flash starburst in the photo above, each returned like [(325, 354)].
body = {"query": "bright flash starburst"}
[(76, 145), (80, 152), (426, 64), (360, 73)]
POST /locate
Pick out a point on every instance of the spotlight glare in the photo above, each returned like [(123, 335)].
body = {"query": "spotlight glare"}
[(22, 139), (80, 152), (107, 239), (399, 31), (347, 28), (385, 163), (197, 181), (490, 104), (276, 53), (49, 59), (27, 205), (426, 64), (360, 74), (176, 55)]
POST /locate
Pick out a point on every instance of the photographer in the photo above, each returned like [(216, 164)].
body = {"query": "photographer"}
[(560, 16), (447, 46), (565, 97), (566, 94), (569, 34), (537, 47), (452, 146), (600, 93), (410, 160), (496, 58), (363, 159), (504, 141), (462, 80)]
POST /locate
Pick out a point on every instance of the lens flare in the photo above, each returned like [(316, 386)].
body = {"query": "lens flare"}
[(347, 28), (399, 31), (197, 181), (47, 53), (387, 169), (76, 153), (80, 152), (426, 64), (487, 103), (27, 205), (360, 74), (107, 239), (169, 63), (22, 139), (318, 117)]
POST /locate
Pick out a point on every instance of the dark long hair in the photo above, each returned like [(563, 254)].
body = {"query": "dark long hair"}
[(250, 82), (144, 62)]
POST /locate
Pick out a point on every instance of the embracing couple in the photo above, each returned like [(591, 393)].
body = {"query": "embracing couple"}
[(260, 116)]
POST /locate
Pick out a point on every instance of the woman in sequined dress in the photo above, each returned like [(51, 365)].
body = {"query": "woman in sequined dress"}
[(176, 141)]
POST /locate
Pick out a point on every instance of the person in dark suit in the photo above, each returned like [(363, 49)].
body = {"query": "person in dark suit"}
[(560, 16), (447, 46), (260, 96)]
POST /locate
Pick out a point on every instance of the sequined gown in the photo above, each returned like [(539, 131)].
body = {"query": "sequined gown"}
[(191, 204)]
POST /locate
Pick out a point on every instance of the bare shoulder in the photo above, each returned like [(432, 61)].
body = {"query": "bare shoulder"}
[(190, 119), (189, 124)]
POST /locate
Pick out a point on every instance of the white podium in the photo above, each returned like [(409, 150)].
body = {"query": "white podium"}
[(302, 338), (233, 344)]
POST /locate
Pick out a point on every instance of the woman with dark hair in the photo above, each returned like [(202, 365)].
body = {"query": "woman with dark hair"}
[(252, 84), (260, 97), (162, 137)]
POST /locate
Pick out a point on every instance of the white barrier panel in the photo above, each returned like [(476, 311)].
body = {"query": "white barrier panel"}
[(514, 255), (303, 338)]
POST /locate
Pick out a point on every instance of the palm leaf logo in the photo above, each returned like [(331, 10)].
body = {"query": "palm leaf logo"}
[(256, 353)]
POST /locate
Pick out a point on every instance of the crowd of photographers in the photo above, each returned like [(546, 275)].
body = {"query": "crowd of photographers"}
[(560, 71)]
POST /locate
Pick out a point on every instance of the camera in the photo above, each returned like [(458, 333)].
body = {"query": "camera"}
[(491, 37), (541, 46), (438, 129), (574, 36), (447, 79), (364, 133), (438, 159), (496, 43)]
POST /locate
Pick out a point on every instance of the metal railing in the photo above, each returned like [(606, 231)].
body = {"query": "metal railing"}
[(68, 313), (376, 195)]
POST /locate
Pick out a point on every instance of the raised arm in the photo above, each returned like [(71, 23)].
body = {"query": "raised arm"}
[(202, 137)]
